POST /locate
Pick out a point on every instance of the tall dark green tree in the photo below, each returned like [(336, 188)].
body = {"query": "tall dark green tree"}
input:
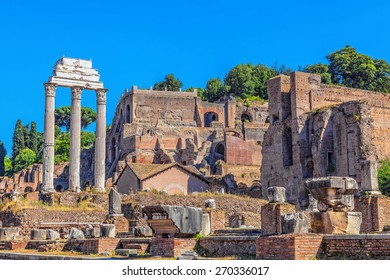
[(18, 139), (33, 138), (3, 153), (170, 83)]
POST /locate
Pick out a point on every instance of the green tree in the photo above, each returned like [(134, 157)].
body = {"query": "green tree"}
[(62, 117), (3, 154), (384, 177), (25, 158), (320, 69), (214, 90), (199, 90), (246, 80), (18, 142), (349, 68), (170, 83), (33, 137), (8, 167)]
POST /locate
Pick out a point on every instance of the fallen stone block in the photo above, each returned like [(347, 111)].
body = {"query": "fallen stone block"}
[(53, 235), (210, 203), (276, 194), (38, 234), (9, 233), (107, 230), (76, 234), (336, 222), (297, 223), (143, 231)]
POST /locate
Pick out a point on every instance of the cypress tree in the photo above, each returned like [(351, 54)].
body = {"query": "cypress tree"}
[(34, 138), (3, 153), (18, 139)]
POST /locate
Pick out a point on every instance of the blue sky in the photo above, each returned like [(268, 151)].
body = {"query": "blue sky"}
[(138, 42)]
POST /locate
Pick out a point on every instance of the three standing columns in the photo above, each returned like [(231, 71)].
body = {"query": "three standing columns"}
[(75, 140)]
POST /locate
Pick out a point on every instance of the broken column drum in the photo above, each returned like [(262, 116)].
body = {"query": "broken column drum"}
[(78, 75)]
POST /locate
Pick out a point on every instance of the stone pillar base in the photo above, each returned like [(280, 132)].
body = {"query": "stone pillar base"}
[(336, 222), (271, 216)]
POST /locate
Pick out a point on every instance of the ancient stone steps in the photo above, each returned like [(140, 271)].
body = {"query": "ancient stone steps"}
[(139, 244), (3, 245)]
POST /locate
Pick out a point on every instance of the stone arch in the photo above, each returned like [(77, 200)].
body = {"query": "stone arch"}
[(236, 221), (113, 149), (287, 147), (245, 118), (128, 117), (220, 150), (28, 189), (210, 117), (59, 188)]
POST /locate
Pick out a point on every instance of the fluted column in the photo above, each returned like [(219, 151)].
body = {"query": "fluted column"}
[(48, 146), (75, 140), (100, 144)]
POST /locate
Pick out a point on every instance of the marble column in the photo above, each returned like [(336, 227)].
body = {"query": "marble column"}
[(48, 146), (75, 140), (100, 144)]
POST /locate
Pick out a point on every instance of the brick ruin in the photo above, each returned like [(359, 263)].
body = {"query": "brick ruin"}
[(319, 130), (167, 127)]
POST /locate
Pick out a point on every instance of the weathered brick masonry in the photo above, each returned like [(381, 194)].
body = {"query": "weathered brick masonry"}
[(289, 247), (171, 247)]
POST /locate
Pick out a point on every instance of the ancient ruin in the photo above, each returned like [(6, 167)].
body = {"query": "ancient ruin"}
[(162, 174), (164, 127), (78, 75)]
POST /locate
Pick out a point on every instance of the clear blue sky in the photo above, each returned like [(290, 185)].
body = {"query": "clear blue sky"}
[(138, 42)]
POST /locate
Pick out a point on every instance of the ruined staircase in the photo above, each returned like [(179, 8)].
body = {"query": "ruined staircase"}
[(3, 245), (163, 227)]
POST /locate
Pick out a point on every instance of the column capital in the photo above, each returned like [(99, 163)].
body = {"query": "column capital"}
[(50, 89), (101, 96), (76, 92)]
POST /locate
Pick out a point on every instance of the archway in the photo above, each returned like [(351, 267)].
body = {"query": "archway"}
[(245, 118), (28, 189), (210, 117), (287, 147), (113, 149), (128, 114), (220, 151)]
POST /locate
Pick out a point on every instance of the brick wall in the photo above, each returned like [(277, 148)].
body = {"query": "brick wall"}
[(289, 247), (375, 211), (171, 247), (29, 219), (357, 247), (217, 220), (219, 246), (270, 216), (99, 245)]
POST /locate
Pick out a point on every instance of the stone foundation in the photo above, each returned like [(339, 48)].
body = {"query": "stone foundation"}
[(171, 247), (220, 246)]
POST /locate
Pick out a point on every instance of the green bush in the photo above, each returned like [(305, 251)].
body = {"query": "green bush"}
[(384, 177)]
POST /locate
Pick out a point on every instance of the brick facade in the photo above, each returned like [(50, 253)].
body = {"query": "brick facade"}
[(357, 247), (171, 247), (289, 247), (375, 211), (99, 245)]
